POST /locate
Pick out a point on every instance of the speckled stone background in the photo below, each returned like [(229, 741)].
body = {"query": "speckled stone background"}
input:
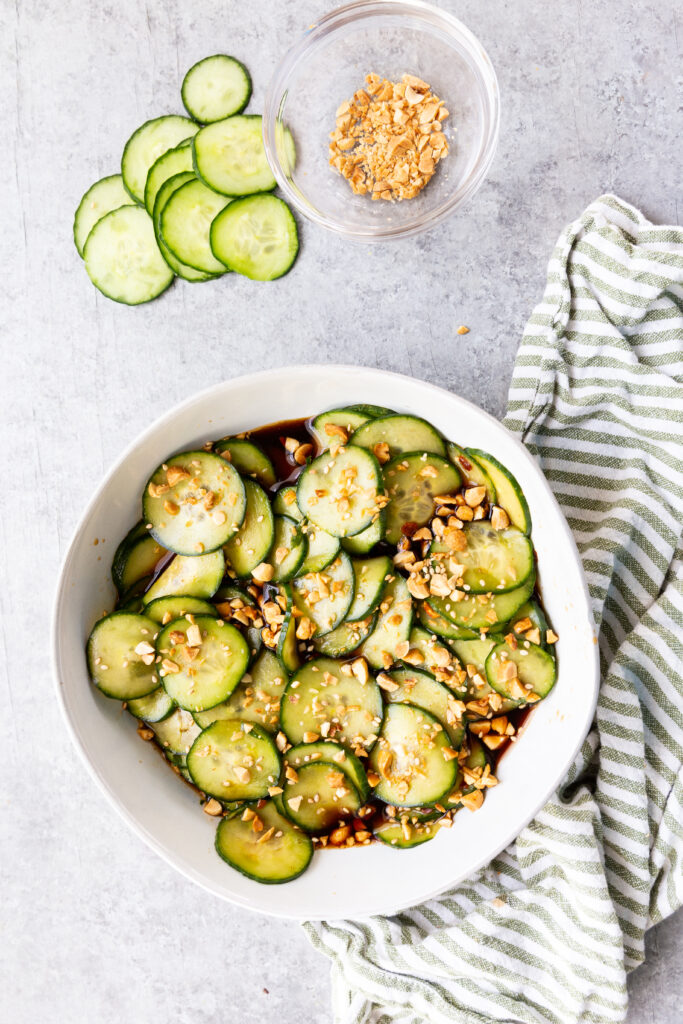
[(95, 928)]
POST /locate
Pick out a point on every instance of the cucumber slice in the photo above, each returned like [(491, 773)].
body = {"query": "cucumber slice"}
[(509, 495), (230, 602), (123, 260), (323, 548), (185, 224), (121, 554), (369, 576), (535, 676), (319, 693), (532, 610), (325, 597), (136, 561), (409, 758), (322, 797), (404, 834), (494, 560), (176, 734), (345, 638), (373, 412), (257, 237), (188, 576), (163, 195), (436, 657), (365, 541), (195, 502), (105, 195), (115, 665), (473, 655), (393, 624), (174, 161), (333, 753), (288, 549), (250, 545), (201, 675), (249, 460), (435, 622), (471, 472), (256, 699), (233, 760), (402, 434), (284, 503), (230, 158), (325, 426), (472, 614), (422, 691), (156, 706), (146, 145), (340, 494), (287, 647), (215, 87), (164, 609), (282, 857), (412, 481)]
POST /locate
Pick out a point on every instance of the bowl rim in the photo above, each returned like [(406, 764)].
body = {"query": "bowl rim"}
[(173, 858), (350, 13)]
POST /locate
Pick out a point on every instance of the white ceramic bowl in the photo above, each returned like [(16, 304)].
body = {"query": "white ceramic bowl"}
[(351, 883)]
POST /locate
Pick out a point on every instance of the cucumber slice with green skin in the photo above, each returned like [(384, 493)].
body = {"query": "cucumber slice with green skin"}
[(373, 412), (333, 753), (370, 576), (437, 623), (409, 758), (233, 760), (287, 647), (393, 625), (402, 434), (495, 561), (153, 708), (509, 495), (123, 260), (257, 237), (347, 419), (256, 699), (105, 195), (222, 599), (322, 797), (346, 638), (285, 855), (146, 145), (288, 549), (323, 548), (532, 610), (249, 460), (164, 194), (471, 614), (477, 758), (177, 733), (120, 555), (174, 161), (320, 692), (436, 655), (284, 503), (406, 836), (185, 223), (473, 655), (422, 691), (340, 494), (197, 475), (188, 576), (250, 545), (204, 674), (536, 671), (325, 597), (216, 87), (411, 482), (230, 158), (471, 472), (168, 608), (113, 663), (136, 562), (365, 541)]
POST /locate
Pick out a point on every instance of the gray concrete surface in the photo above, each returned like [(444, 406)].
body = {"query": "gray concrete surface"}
[(94, 927)]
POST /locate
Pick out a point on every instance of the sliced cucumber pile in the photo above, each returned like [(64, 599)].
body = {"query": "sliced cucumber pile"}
[(332, 652), (138, 230)]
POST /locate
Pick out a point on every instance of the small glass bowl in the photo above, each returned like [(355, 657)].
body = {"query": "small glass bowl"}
[(329, 64)]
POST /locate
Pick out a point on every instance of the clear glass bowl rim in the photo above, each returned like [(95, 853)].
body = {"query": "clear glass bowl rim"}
[(355, 12)]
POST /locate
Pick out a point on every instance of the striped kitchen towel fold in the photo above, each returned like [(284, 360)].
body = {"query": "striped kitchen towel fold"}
[(548, 931)]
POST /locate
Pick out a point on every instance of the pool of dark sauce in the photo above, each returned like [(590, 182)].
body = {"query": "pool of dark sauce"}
[(270, 439)]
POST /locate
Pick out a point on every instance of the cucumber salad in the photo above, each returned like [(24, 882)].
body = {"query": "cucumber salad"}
[(330, 628), (193, 199)]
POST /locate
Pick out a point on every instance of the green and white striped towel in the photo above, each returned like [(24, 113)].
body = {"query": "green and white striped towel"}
[(547, 933)]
